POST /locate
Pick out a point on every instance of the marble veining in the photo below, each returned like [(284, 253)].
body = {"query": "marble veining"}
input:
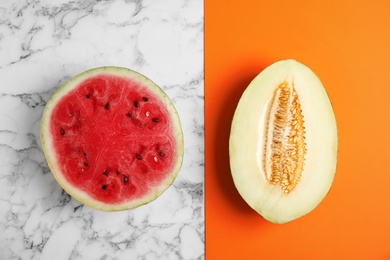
[(43, 44)]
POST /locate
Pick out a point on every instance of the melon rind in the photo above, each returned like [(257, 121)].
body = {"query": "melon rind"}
[(48, 148), (247, 143)]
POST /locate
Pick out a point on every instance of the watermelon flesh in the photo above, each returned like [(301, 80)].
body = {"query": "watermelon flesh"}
[(115, 142)]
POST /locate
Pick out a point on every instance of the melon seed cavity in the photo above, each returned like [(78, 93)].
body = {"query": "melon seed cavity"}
[(285, 147)]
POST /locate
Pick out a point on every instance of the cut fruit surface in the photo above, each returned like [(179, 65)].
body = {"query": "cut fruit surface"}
[(283, 142), (112, 138)]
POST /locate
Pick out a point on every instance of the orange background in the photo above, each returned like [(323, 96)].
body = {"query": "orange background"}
[(347, 44)]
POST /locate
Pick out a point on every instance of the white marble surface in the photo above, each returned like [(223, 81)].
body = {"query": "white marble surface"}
[(44, 43)]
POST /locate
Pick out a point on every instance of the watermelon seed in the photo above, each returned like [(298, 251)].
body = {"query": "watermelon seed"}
[(138, 156), (129, 114), (155, 119), (104, 186), (145, 99), (161, 154), (106, 106), (88, 95), (136, 104), (155, 159), (85, 154), (105, 172), (147, 114), (62, 131), (125, 179), (117, 173), (86, 164)]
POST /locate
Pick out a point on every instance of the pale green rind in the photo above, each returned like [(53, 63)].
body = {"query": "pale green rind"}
[(51, 155), (247, 142)]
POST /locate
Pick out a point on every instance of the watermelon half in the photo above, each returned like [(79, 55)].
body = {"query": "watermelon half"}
[(112, 138)]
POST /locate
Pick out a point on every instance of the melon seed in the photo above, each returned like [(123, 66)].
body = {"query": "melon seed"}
[(105, 172), (285, 146), (129, 114), (62, 131), (161, 154), (117, 172), (88, 95), (155, 119), (104, 186), (106, 106), (138, 156), (86, 164), (125, 179), (145, 99), (136, 104)]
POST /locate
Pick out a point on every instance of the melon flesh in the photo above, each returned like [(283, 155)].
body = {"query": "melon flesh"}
[(112, 138), (248, 143)]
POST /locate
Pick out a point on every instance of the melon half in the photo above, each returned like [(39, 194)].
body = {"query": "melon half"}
[(112, 138), (283, 142)]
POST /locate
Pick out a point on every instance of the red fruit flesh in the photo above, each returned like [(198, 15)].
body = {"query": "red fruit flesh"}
[(114, 138)]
